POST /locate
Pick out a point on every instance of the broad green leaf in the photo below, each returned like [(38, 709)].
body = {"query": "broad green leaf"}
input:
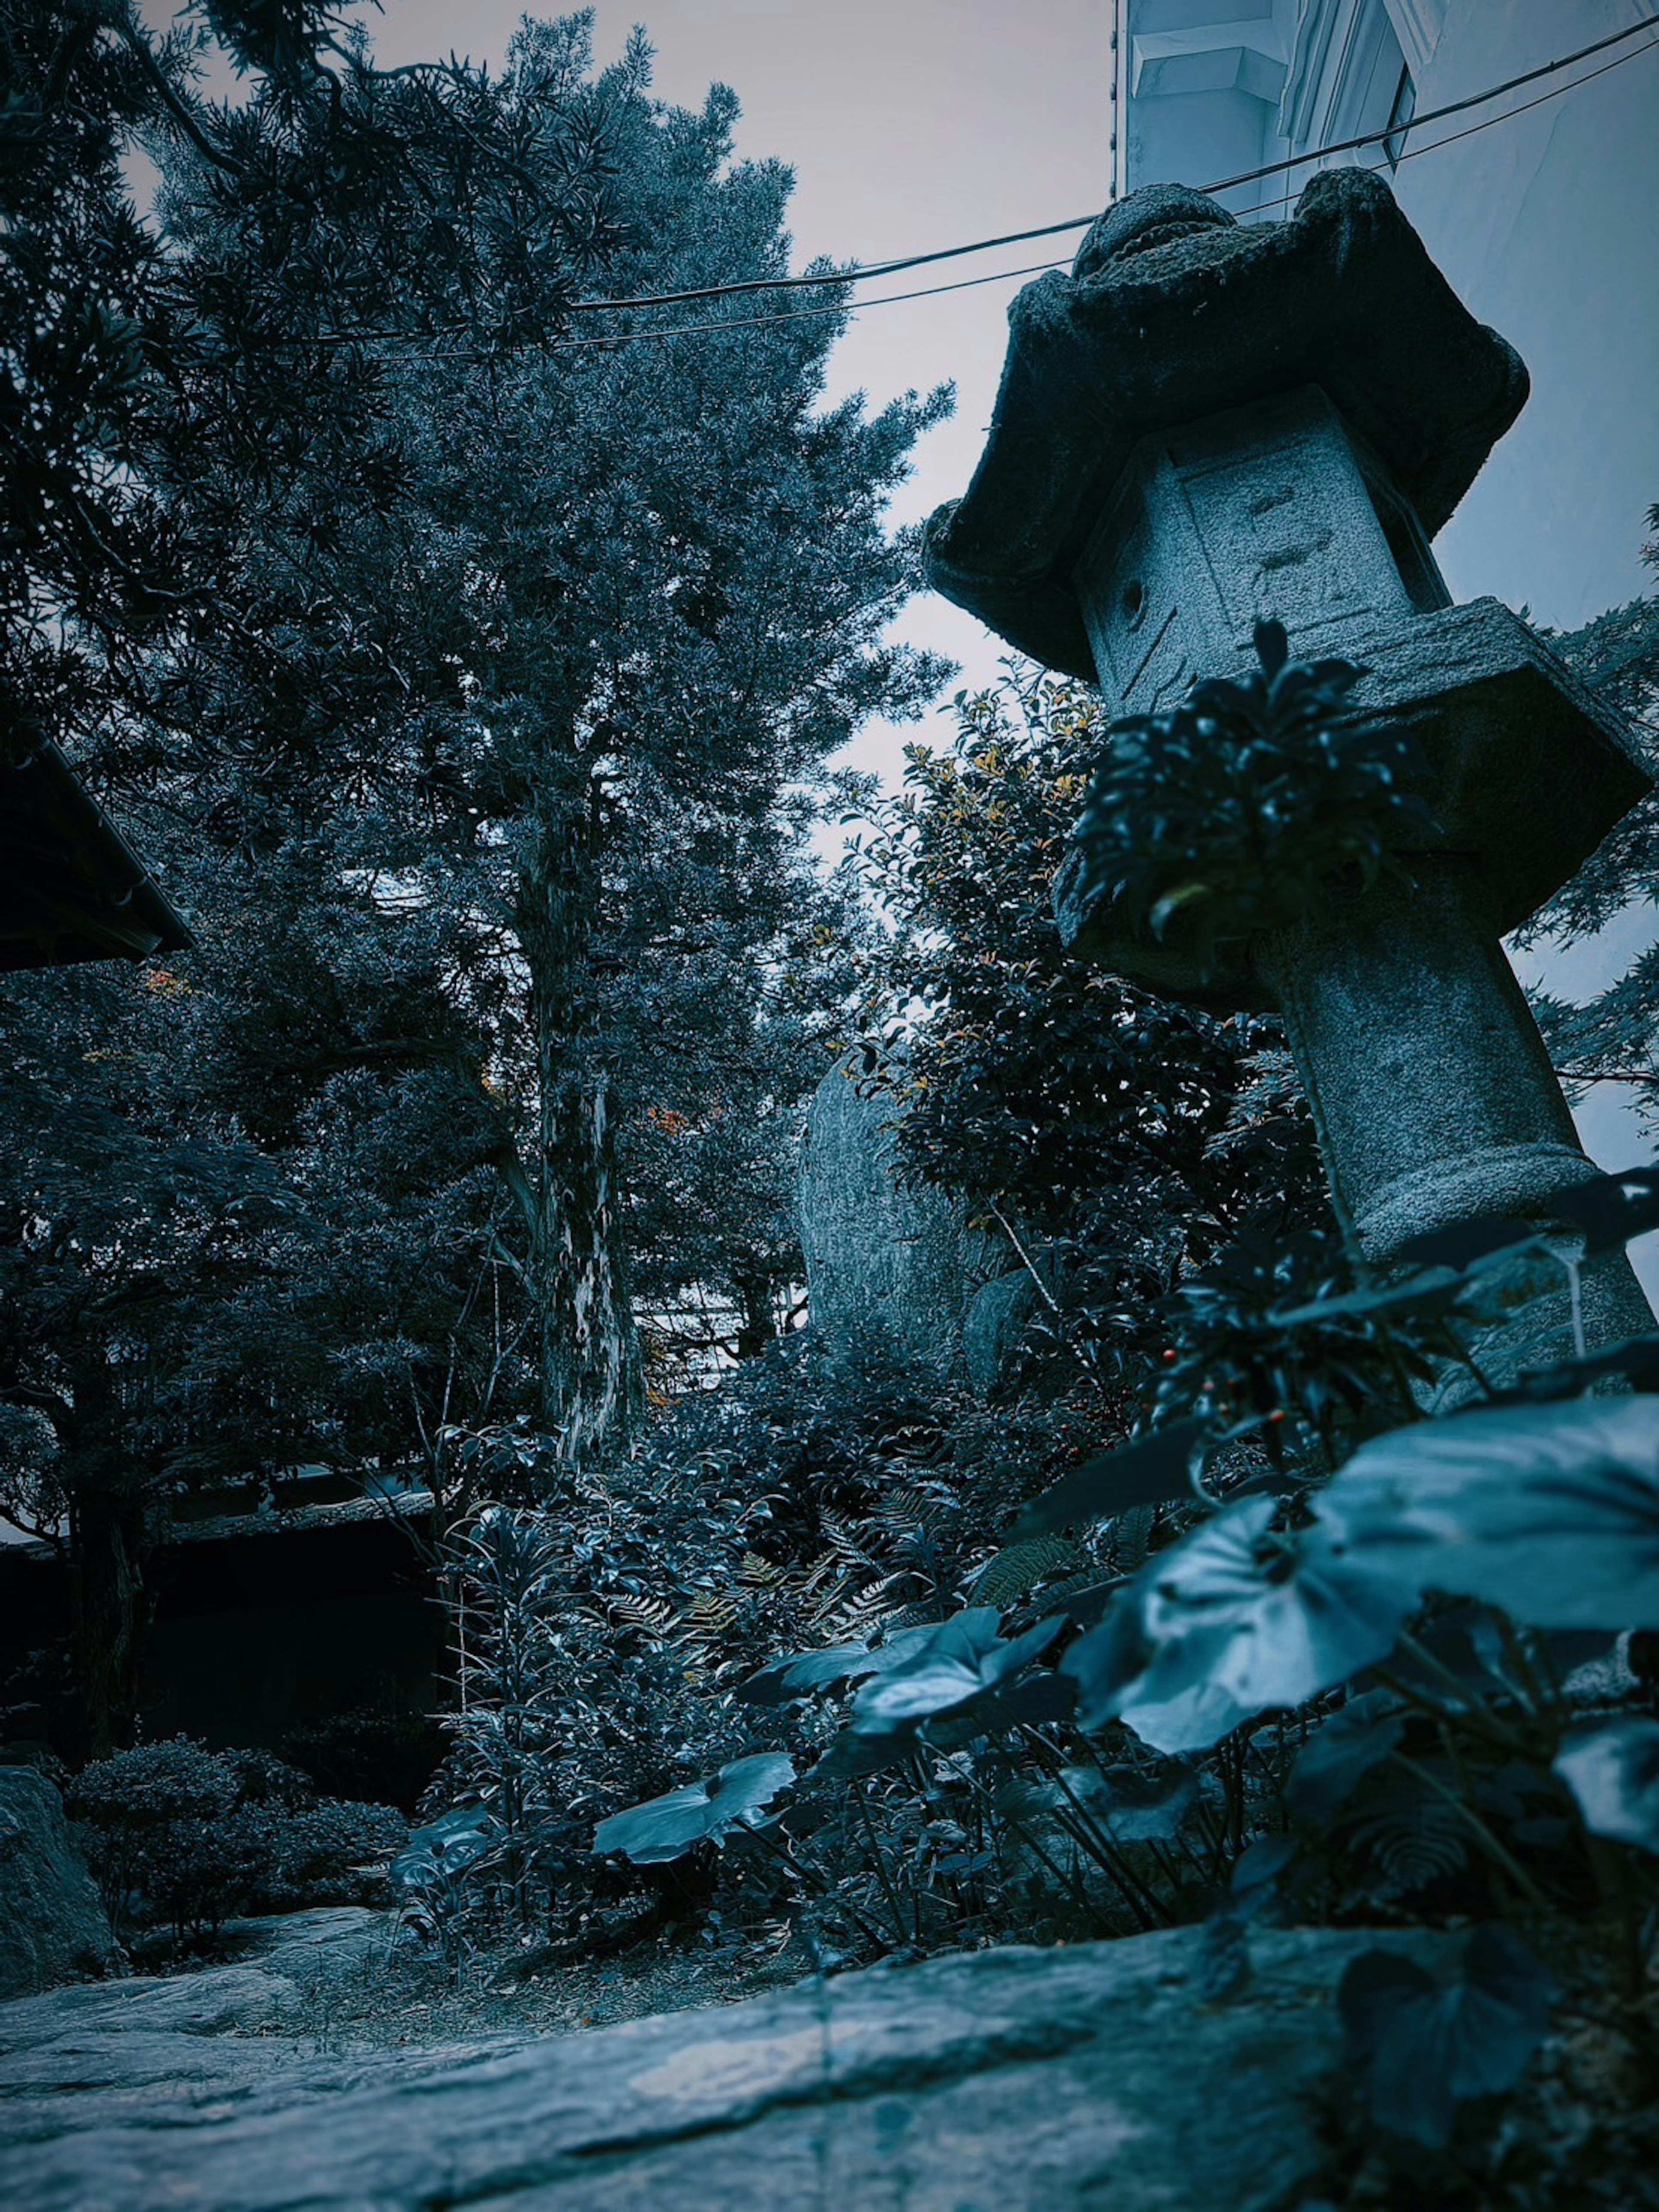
[(1259, 1865), (1135, 1805), (1106, 1661), (1153, 1470), (705, 1812), (800, 1673), (1241, 1622), (853, 1754), (445, 1847), (1613, 1773), (1611, 1209), (1435, 1292), (1466, 1241), (1341, 1752), (1551, 1512), (1425, 2043), (958, 1662), (1636, 1361), (1180, 1704)]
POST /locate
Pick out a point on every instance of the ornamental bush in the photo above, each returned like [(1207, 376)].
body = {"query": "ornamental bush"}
[(182, 1837)]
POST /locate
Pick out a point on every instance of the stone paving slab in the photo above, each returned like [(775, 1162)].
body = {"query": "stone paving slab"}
[(1092, 2075)]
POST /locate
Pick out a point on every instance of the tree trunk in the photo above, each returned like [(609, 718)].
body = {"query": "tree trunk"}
[(111, 1548), (112, 1544), (589, 1359), (758, 1327), (588, 1350)]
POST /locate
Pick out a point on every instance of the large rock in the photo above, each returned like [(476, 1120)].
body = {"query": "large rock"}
[(993, 1328), (1104, 2074), (52, 1925), (884, 1264)]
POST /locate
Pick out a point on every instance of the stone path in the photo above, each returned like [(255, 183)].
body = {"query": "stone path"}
[(1093, 2077)]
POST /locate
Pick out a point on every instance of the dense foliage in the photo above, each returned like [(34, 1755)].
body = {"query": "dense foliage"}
[(1230, 813), (1118, 1141), (1292, 1653), (182, 1837), (1386, 1691), (1610, 1039), (476, 710)]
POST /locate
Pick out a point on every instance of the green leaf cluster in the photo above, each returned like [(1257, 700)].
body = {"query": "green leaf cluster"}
[(1230, 812)]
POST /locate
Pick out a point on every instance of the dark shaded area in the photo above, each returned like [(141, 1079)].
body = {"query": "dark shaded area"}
[(322, 1641), (71, 888)]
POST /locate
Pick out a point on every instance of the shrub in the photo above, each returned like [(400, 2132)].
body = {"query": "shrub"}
[(1235, 810), (155, 1819), (608, 1633), (182, 1836), (332, 1851)]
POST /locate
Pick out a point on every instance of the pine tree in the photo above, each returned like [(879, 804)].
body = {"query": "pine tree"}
[(1612, 1038), (621, 600), (469, 686)]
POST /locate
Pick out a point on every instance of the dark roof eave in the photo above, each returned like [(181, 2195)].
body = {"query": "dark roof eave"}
[(74, 889)]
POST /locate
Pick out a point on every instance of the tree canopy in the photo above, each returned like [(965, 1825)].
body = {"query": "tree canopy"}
[(469, 673)]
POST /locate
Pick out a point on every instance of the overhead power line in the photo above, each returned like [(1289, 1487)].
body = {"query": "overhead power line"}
[(710, 328), (707, 328), (856, 275), (1488, 122)]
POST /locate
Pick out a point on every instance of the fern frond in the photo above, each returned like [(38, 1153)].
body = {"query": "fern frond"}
[(859, 1616), (1018, 1568), (651, 1616), (843, 1541), (756, 1573), (1407, 1836)]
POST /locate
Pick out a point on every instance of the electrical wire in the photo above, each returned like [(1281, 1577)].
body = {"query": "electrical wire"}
[(1472, 130), (709, 327), (1081, 223), (1007, 275), (804, 314)]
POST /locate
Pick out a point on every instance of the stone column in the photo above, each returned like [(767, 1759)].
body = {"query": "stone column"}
[(1206, 425), (1432, 1094)]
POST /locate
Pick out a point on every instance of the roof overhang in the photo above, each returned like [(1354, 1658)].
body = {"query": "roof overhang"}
[(71, 888)]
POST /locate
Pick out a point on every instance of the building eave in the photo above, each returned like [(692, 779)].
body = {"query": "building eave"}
[(71, 888)]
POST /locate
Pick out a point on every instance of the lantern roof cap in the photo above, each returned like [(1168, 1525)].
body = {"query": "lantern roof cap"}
[(1173, 310)]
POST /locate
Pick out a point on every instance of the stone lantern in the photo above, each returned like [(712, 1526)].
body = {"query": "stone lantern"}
[(1209, 424)]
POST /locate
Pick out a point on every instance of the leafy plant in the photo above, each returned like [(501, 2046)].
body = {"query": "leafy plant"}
[(1427, 2044), (506, 1569), (150, 1816), (1230, 812), (431, 1877), (1236, 1619), (1550, 1511), (1102, 1130), (1612, 1773), (180, 1834), (701, 1812), (1338, 1693), (329, 1851)]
